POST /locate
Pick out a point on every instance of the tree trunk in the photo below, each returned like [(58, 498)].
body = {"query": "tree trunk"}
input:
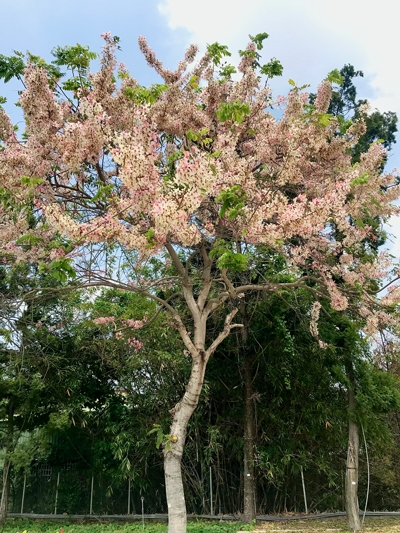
[(352, 509), (173, 449), (5, 492), (249, 488), (7, 463)]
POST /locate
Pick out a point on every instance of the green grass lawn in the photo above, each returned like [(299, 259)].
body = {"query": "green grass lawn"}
[(20, 526), (336, 525)]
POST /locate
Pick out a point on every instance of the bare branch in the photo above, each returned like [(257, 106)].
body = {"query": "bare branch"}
[(175, 259), (206, 279), (224, 333)]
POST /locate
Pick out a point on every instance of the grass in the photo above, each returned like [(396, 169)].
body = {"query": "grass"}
[(335, 525), (29, 526)]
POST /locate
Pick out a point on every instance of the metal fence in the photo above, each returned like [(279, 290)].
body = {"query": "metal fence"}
[(47, 490), (72, 489)]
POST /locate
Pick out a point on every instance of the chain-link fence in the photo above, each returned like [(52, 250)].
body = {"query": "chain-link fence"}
[(73, 491)]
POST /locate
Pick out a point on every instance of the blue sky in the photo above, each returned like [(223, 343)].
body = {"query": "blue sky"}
[(40, 25), (309, 37)]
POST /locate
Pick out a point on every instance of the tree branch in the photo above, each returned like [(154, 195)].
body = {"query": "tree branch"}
[(224, 333)]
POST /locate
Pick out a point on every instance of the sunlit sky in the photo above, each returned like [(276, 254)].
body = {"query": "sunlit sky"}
[(309, 37)]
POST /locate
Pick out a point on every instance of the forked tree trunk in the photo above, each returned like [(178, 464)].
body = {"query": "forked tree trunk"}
[(352, 509), (173, 449), (249, 485)]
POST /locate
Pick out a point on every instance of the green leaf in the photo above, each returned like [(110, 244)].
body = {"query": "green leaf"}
[(197, 136), (234, 111), (233, 202), (151, 237), (156, 427), (76, 57), (258, 39), (29, 239), (215, 154), (335, 77), (250, 53), (361, 180), (31, 181), (359, 223), (61, 269), (160, 437), (293, 84), (344, 124), (191, 135), (272, 69), (103, 193), (227, 71), (227, 258), (11, 67), (193, 82), (217, 51), (324, 119), (142, 95), (74, 84)]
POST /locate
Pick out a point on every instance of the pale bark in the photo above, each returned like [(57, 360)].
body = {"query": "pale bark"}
[(181, 413), (5, 492), (7, 464), (249, 484), (173, 449), (200, 310), (352, 508)]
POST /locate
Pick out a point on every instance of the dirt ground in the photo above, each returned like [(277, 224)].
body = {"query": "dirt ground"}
[(332, 525)]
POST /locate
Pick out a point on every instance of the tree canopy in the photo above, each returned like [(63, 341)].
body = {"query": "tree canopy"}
[(191, 185)]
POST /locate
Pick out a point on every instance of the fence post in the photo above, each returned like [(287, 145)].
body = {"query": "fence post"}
[(129, 495), (91, 497), (58, 484), (304, 489), (142, 512), (211, 494), (23, 494)]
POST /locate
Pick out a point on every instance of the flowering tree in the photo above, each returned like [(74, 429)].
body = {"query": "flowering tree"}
[(197, 173)]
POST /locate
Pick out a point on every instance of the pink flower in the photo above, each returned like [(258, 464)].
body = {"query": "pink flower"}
[(104, 320), (135, 344)]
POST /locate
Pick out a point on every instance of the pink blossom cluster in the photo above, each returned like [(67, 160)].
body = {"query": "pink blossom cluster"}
[(315, 310), (104, 320), (135, 344), (134, 324), (148, 175)]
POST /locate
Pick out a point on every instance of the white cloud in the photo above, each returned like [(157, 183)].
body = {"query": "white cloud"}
[(310, 38)]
